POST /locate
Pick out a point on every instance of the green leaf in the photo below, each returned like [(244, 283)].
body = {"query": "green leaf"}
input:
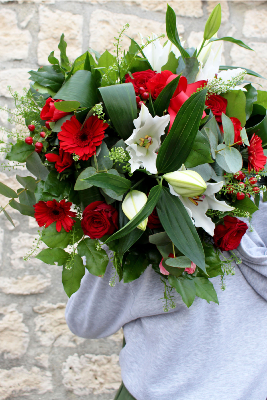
[(244, 136), (185, 287), (67, 106), (191, 69), (116, 183), (175, 271), (20, 152), (7, 216), (52, 256), (179, 227), (236, 105), (213, 23), (120, 102), (110, 192), (56, 188), (80, 87), (63, 55), (88, 196), (134, 265), (178, 144), (251, 98), (212, 260), (205, 290), (60, 122), (7, 191), (249, 71), (163, 100), (103, 160), (179, 262), (126, 242), (106, 60), (172, 63), (36, 88), (172, 31), (259, 128), (246, 205), (27, 198), (96, 260), (48, 76), (232, 40), (211, 131), (261, 98), (160, 239), (81, 183), (35, 166), (71, 277), (229, 159), (140, 216), (28, 182), (22, 208), (229, 131), (200, 152), (54, 239), (52, 59)]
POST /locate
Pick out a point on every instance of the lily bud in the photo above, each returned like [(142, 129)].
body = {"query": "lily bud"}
[(132, 204), (186, 183)]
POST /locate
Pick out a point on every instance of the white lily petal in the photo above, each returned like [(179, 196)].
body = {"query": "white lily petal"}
[(213, 188), (199, 214), (215, 204), (210, 60), (149, 163), (132, 204)]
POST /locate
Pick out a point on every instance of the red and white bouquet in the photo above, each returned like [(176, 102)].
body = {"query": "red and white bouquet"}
[(154, 152)]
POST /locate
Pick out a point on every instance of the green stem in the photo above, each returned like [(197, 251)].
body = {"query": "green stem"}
[(137, 183), (201, 47)]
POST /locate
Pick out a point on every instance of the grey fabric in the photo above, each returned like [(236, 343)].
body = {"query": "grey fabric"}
[(206, 352)]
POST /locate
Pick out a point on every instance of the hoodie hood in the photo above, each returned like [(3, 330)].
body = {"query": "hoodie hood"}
[(253, 252)]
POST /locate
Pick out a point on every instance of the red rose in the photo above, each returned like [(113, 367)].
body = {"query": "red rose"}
[(50, 113), (156, 84), (140, 80), (63, 160), (99, 219), (153, 220), (217, 104), (228, 236)]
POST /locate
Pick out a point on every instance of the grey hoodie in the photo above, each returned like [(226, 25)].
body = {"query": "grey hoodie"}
[(206, 352)]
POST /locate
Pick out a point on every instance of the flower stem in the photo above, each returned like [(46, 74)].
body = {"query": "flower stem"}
[(201, 47)]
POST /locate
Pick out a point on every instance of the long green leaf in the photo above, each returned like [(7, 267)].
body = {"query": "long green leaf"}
[(178, 144), (126, 242), (249, 71), (7, 191), (116, 183), (120, 102), (172, 31), (162, 102), (80, 87), (179, 227), (232, 40), (7, 216), (140, 216)]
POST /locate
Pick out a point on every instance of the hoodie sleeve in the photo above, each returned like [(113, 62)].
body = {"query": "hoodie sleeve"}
[(253, 252), (98, 310)]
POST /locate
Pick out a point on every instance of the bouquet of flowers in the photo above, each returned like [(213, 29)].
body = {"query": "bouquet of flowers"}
[(154, 152)]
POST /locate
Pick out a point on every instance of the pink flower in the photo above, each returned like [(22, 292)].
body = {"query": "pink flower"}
[(192, 269), (162, 269)]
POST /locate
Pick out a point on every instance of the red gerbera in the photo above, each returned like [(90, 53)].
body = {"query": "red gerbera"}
[(256, 157), (47, 212), (63, 160), (82, 141)]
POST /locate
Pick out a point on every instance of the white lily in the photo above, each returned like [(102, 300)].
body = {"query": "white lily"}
[(157, 54), (210, 60), (132, 204), (199, 205), (145, 140)]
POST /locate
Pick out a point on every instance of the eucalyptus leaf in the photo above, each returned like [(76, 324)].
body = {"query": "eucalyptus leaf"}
[(200, 152), (28, 182), (191, 69), (228, 129), (22, 208), (60, 122), (36, 167), (7, 191), (229, 159), (7, 216)]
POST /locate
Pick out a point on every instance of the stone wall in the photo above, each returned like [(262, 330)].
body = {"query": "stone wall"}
[(39, 357)]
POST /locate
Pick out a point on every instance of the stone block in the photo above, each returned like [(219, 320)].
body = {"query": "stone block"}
[(256, 60), (14, 336), (255, 24), (17, 78), (11, 182), (52, 25), (195, 39), (28, 284), (19, 381), (104, 25), (91, 374), (51, 327), (14, 42)]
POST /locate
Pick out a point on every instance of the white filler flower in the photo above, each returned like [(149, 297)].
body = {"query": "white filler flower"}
[(157, 54), (199, 205), (145, 140)]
